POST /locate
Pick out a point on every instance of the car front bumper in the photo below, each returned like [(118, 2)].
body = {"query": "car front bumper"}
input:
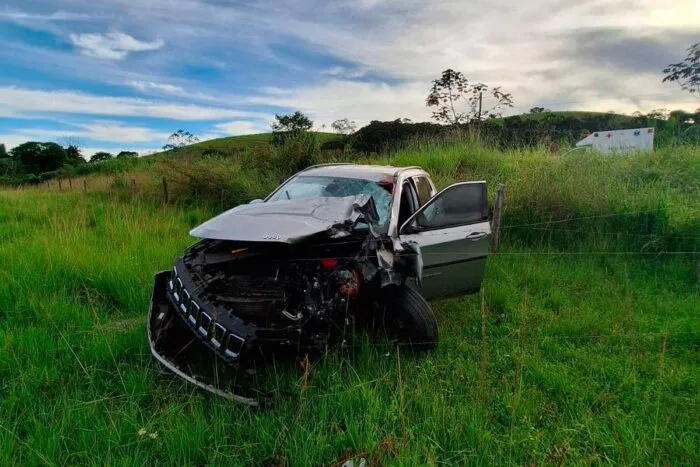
[(174, 343)]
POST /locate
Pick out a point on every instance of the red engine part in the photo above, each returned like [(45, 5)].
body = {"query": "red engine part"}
[(351, 287)]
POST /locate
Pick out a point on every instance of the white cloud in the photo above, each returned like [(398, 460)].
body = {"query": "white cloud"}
[(15, 102), (16, 15), (344, 72), (240, 128), (98, 131), (359, 101), (112, 46), (148, 86)]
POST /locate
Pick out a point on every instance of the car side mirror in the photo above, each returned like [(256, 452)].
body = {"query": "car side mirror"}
[(256, 201)]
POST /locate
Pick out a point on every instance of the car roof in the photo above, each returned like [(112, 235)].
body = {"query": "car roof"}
[(366, 172)]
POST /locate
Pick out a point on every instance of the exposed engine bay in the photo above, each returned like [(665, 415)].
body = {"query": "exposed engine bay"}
[(233, 298)]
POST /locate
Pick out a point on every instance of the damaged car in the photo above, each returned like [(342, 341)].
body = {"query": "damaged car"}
[(335, 248)]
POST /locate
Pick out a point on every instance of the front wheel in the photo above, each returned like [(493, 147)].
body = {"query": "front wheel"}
[(406, 316)]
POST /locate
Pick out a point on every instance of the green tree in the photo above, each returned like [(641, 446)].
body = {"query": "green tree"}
[(290, 126), (127, 154), (35, 157), (687, 72), (680, 116), (539, 110), (101, 156), (457, 101), (7, 165), (344, 127), (180, 139), (696, 116), (660, 114), (74, 156)]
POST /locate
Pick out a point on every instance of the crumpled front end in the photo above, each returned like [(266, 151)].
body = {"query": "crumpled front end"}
[(227, 299)]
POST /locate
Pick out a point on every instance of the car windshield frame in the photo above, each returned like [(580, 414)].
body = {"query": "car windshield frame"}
[(383, 205)]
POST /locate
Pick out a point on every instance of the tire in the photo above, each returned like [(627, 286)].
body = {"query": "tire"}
[(407, 317)]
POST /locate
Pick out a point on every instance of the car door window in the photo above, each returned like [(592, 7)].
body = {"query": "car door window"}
[(408, 202), (423, 189), (458, 204)]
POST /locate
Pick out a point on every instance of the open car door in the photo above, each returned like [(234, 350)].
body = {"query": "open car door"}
[(454, 233)]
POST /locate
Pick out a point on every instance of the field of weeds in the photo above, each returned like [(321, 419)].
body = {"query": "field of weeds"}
[(583, 345)]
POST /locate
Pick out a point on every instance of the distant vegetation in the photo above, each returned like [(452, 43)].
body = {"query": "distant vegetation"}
[(293, 144), (530, 130)]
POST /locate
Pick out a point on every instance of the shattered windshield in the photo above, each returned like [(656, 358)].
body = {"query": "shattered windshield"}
[(337, 187)]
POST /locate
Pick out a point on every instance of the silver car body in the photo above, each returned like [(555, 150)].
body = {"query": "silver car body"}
[(454, 255)]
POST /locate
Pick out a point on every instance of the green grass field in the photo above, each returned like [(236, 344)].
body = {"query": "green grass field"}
[(583, 346)]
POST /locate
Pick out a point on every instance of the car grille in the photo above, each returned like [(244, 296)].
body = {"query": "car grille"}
[(219, 337)]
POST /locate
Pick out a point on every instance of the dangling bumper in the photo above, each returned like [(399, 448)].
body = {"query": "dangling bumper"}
[(177, 348)]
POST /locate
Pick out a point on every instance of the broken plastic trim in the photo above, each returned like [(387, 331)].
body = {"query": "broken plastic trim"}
[(159, 286)]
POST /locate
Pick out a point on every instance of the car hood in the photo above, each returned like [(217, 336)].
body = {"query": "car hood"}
[(289, 221)]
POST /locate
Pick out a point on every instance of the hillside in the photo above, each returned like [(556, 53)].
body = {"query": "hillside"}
[(233, 144)]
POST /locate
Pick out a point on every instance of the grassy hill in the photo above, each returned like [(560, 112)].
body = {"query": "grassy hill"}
[(581, 348), (240, 143)]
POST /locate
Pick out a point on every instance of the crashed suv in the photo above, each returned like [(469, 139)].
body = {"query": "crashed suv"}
[(334, 248)]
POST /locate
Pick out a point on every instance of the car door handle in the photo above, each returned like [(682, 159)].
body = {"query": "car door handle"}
[(474, 236)]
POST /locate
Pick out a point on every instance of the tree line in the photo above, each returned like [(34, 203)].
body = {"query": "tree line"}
[(31, 161)]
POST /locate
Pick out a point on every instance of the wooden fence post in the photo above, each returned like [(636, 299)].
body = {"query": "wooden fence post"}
[(133, 188), (496, 222), (70, 183), (59, 184), (165, 191), (85, 185)]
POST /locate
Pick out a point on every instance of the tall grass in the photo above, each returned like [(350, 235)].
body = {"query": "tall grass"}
[(638, 201), (572, 353), (604, 349)]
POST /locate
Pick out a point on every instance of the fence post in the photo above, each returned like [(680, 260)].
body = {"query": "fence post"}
[(496, 222), (133, 188), (85, 185), (70, 183), (165, 190), (59, 184)]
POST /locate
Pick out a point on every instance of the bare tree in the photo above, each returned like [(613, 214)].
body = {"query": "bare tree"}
[(344, 126), (180, 139), (458, 101)]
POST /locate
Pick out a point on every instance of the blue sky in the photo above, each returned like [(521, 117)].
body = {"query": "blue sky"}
[(124, 74)]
